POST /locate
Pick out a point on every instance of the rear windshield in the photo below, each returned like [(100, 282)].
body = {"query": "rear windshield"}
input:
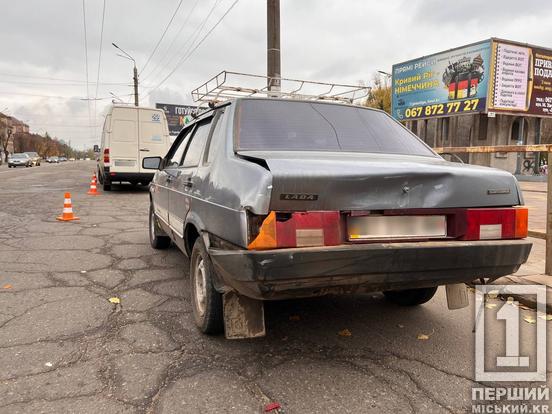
[(280, 125)]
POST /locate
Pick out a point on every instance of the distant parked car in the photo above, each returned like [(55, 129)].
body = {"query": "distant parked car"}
[(20, 160), (52, 160), (71, 159), (62, 159), (35, 158)]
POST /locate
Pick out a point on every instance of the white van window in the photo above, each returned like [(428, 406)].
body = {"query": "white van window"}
[(151, 132), (124, 131)]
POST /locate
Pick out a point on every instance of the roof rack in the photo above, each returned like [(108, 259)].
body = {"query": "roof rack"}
[(222, 87)]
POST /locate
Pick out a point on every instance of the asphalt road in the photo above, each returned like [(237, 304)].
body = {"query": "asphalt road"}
[(64, 348)]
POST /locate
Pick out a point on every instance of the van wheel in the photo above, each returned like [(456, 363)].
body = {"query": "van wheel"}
[(410, 297), (156, 241), (206, 301), (106, 186)]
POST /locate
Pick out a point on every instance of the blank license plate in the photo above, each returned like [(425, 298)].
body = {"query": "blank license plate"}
[(396, 227)]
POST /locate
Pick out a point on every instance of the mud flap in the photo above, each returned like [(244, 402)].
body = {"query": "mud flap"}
[(243, 316), (457, 296)]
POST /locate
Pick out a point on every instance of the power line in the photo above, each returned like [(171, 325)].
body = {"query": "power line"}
[(12, 82), (99, 65), (5, 94), (167, 51), (86, 60), (193, 37), (162, 36), (79, 81), (187, 56)]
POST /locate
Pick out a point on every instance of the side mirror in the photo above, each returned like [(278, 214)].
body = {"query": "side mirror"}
[(151, 163)]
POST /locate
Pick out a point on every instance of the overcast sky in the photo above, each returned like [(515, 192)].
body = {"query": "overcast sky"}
[(43, 69)]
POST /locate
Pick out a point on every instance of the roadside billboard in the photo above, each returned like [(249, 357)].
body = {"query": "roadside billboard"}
[(522, 79), (178, 116), (447, 83), (491, 76)]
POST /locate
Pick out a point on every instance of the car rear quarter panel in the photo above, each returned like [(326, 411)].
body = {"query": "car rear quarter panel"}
[(230, 186)]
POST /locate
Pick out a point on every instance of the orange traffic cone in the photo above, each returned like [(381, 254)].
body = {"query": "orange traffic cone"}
[(67, 214), (93, 185)]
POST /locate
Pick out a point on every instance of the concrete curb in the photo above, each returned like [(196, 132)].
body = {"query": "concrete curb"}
[(527, 300)]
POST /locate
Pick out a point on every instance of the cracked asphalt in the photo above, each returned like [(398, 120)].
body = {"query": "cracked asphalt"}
[(64, 348)]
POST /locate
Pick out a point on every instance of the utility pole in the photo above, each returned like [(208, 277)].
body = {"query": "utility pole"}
[(135, 77), (135, 85), (273, 66)]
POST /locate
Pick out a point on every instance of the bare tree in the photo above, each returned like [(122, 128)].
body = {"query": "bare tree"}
[(5, 135)]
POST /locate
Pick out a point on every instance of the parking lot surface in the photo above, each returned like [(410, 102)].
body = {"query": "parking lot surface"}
[(65, 348)]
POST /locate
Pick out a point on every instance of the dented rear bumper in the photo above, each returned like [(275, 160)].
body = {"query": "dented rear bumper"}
[(315, 271)]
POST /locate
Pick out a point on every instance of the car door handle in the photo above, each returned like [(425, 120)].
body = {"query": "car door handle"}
[(144, 149)]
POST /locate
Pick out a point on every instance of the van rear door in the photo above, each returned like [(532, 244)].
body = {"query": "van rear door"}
[(122, 146), (154, 135)]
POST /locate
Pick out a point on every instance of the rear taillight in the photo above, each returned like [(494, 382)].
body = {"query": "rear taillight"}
[(495, 223), (281, 230), (106, 155)]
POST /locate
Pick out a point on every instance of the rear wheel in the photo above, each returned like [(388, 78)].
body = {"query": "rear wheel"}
[(156, 241), (410, 297), (206, 301), (106, 185)]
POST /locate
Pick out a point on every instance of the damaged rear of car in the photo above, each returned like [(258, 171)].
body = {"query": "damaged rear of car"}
[(306, 198)]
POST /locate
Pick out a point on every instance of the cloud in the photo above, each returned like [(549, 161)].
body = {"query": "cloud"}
[(321, 40)]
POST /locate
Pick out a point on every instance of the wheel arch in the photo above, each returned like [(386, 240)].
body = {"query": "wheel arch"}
[(194, 228)]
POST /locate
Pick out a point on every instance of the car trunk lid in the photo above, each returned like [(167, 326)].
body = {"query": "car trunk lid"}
[(307, 181)]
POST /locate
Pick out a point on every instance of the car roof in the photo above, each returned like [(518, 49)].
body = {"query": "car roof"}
[(278, 99)]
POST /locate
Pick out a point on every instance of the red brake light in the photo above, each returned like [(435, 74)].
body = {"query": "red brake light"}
[(280, 230), (106, 155), (495, 223)]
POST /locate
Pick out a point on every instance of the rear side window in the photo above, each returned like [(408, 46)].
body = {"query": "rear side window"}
[(195, 148), (280, 125)]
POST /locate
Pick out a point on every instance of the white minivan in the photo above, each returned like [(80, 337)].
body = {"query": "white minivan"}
[(131, 133)]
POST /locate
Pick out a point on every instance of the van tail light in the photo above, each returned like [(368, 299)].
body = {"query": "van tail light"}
[(495, 223), (281, 230), (106, 155)]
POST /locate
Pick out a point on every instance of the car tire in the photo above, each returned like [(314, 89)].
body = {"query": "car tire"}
[(410, 297), (157, 241), (106, 185), (206, 301)]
